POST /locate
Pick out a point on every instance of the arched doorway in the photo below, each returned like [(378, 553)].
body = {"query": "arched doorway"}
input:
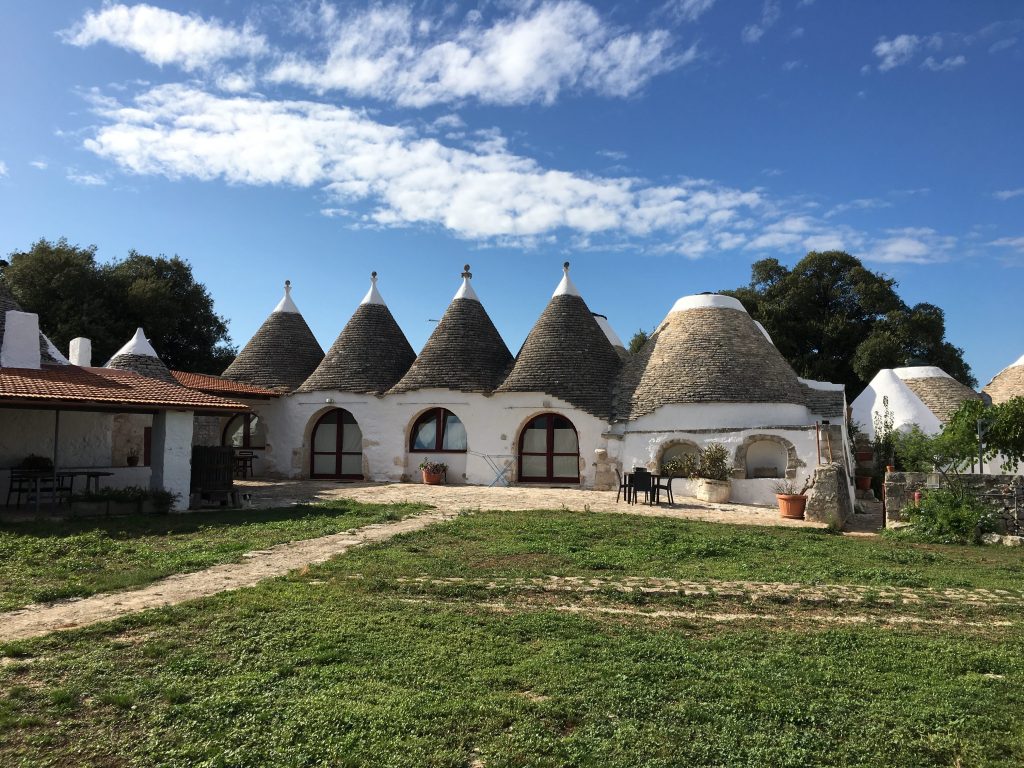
[(549, 450), (337, 447)]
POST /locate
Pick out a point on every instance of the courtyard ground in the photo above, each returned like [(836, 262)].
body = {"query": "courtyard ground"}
[(552, 638)]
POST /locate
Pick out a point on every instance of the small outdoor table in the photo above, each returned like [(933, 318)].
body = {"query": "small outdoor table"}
[(92, 477)]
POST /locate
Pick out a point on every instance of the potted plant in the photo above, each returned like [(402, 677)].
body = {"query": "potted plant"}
[(133, 457), (433, 471), (863, 481), (792, 502), (713, 474)]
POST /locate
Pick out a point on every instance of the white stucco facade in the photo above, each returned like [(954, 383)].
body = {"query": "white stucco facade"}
[(906, 407), (172, 455)]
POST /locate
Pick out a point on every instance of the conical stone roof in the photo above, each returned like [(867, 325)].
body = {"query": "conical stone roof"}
[(47, 352), (282, 353), (567, 355), (370, 354), (940, 392), (464, 353), (1007, 384), (706, 350), (139, 357)]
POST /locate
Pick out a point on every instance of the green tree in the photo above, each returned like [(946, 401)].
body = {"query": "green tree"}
[(636, 343), (835, 320), (74, 295)]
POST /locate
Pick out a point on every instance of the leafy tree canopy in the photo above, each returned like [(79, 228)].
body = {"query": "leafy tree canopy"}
[(105, 302), (835, 320), (636, 343)]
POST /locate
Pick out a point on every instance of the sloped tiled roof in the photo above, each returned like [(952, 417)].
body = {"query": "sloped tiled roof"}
[(464, 353), (707, 350), (370, 354), (218, 385), (1007, 384), (7, 304), (568, 356), (942, 395), (281, 354), (103, 386)]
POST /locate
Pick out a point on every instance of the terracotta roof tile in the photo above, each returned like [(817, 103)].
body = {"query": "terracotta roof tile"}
[(70, 383), (218, 385)]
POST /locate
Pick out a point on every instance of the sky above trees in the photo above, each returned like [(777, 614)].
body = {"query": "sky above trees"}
[(660, 147)]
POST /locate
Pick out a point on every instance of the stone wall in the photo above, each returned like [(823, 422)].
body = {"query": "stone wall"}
[(900, 488), (829, 499)]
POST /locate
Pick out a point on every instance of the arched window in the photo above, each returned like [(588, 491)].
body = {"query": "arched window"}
[(438, 431), (677, 451), (337, 447), (244, 431), (549, 451), (766, 458)]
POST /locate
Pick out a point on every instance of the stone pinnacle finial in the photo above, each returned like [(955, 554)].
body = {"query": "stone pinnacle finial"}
[(466, 273), (287, 287), (565, 267)]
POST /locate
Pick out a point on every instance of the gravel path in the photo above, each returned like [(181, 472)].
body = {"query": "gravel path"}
[(36, 620)]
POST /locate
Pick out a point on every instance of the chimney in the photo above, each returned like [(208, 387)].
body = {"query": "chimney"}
[(80, 352), (20, 348)]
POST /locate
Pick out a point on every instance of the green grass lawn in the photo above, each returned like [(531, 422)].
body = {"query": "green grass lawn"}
[(344, 666), (49, 560)]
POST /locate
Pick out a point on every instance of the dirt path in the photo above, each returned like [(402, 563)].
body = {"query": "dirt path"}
[(37, 620), (453, 498)]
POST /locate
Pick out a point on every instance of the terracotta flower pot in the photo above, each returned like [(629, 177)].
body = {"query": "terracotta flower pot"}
[(132, 461), (865, 456), (791, 505), (863, 482), (433, 478)]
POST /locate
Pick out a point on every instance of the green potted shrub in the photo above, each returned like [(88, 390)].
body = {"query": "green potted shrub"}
[(433, 471), (713, 474)]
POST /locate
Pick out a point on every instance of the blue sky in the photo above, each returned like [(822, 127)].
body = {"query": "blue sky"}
[(660, 148)]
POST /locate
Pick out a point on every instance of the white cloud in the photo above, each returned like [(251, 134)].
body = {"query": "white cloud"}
[(39, 165), (896, 52), (165, 37), (85, 179), (3, 169), (947, 64), (1002, 45), (789, 66), (690, 10), (385, 52), (1016, 243), (770, 13), (860, 204), (613, 154), (914, 245), (1007, 194), (391, 175)]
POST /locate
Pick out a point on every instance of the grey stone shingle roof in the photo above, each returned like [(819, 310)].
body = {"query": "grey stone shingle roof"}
[(144, 365), (7, 304), (370, 355), (702, 355), (464, 353), (280, 355), (941, 394), (1007, 384), (568, 356), (828, 404)]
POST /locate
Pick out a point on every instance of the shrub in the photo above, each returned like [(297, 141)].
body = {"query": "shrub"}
[(945, 517), (686, 465), (714, 462), (915, 451), (432, 467)]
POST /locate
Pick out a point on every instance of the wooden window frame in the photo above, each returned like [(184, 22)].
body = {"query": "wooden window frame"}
[(246, 433), (338, 453), (549, 453), (439, 429)]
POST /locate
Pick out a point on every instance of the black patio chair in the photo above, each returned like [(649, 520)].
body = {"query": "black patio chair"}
[(642, 481), (664, 484), (624, 487)]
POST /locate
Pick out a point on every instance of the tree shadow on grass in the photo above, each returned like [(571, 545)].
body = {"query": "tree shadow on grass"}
[(134, 526)]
